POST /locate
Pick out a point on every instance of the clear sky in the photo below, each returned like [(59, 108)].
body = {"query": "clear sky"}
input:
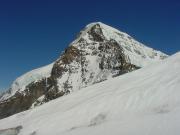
[(33, 33)]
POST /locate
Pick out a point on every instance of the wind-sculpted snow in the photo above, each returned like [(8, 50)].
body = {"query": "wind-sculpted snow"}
[(143, 102)]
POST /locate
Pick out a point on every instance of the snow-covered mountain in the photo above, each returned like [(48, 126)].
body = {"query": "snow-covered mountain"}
[(143, 102), (100, 52)]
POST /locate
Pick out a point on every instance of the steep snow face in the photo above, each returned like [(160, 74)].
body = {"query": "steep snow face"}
[(146, 101), (20, 83)]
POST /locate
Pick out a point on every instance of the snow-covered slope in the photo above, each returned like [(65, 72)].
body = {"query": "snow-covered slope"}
[(143, 102), (21, 82)]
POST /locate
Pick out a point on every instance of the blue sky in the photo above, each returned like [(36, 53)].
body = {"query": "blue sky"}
[(33, 33)]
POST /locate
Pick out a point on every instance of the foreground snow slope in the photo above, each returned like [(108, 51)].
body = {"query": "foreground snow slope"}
[(143, 102)]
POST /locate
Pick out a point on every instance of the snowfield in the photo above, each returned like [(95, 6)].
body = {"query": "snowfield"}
[(143, 102)]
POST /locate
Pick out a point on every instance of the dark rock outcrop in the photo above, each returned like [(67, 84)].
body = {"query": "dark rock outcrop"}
[(22, 101)]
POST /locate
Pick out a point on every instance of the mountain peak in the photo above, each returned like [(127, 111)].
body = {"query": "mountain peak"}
[(94, 23), (100, 32), (101, 25)]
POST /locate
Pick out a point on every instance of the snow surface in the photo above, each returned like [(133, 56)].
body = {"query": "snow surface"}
[(21, 82), (143, 102)]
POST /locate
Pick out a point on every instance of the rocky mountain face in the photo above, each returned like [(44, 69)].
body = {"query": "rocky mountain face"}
[(98, 53)]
